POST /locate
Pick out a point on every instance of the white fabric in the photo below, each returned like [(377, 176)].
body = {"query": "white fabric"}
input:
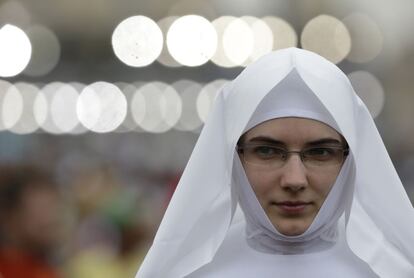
[(236, 259), (380, 230), (292, 98)]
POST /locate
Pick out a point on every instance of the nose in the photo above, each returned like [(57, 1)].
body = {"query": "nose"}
[(293, 177)]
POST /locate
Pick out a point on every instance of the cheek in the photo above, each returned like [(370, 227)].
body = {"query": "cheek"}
[(262, 182), (321, 184)]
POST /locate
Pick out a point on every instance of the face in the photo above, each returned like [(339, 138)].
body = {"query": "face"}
[(292, 194), (37, 220)]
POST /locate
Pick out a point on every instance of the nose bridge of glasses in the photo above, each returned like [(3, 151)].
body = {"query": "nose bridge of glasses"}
[(288, 154), (295, 155)]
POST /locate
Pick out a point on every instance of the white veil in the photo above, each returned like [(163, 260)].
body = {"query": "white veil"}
[(380, 229)]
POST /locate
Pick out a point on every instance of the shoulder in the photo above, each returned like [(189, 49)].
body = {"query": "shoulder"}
[(235, 258)]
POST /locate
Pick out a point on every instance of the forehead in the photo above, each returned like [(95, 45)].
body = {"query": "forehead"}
[(293, 129)]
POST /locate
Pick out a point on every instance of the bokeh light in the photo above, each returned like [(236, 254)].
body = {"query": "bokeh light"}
[(42, 107), (369, 89), (284, 35), (137, 41), (367, 39), (262, 38), (165, 57), (156, 107), (12, 107), (188, 91), (207, 96), (4, 87), (79, 128), (45, 51), (101, 107), (15, 50), (327, 36), (27, 122), (192, 40), (128, 91), (220, 57), (63, 108), (118, 153), (238, 41), (138, 107)]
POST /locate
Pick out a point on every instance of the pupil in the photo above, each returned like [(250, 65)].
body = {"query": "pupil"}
[(321, 153)]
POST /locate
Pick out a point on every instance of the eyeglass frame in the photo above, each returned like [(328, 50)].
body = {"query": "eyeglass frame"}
[(240, 148)]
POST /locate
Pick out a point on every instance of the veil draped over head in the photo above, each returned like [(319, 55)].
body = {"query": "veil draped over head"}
[(379, 221)]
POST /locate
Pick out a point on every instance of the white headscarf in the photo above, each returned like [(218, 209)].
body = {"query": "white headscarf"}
[(380, 229), (292, 98)]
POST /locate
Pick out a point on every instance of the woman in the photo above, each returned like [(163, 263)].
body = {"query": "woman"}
[(291, 144)]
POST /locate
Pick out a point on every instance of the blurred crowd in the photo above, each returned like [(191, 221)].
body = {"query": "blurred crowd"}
[(88, 205), (94, 227)]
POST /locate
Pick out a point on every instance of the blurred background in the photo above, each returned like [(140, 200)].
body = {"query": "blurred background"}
[(101, 103)]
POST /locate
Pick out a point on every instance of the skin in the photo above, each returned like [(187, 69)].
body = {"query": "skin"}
[(293, 181), (35, 225)]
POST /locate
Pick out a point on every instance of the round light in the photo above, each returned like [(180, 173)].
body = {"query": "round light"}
[(79, 128), (4, 87), (42, 107), (262, 38), (15, 50), (26, 123), (207, 96), (327, 36), (101, 107), (284, 35), (366, 38), (220, 58), (192, 40), (45, 51), (156, 107), (137, 41), (165, 58), (188, 90), (369, 89), (41, 110), (63, 108), (139, 107), (128, 124), (238, 41), (12, 107)]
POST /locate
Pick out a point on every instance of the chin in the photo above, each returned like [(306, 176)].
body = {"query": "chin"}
[(290, 229)]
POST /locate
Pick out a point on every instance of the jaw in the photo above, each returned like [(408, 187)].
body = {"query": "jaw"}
[(290, 225)]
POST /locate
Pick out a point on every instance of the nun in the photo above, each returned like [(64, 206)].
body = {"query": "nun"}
[(289, 178)]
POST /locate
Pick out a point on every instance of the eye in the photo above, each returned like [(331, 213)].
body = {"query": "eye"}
[(321, 153), (267, 152)]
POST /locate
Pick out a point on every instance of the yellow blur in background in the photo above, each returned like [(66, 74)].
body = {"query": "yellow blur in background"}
[(101, 103)]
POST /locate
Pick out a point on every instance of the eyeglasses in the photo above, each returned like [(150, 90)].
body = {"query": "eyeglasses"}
[(270, 156)]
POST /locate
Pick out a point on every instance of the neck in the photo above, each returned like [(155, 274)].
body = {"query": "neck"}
[(263, 241)]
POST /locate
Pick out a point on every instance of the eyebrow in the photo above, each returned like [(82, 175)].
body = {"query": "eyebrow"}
[(265, 139), (321, 141), (325, 141)]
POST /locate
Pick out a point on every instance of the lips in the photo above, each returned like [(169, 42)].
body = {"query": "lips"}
[(292, 206)]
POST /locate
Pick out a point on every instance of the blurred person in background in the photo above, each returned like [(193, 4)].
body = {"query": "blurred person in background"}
[(289, 178), (30, 218), (111, 234)]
